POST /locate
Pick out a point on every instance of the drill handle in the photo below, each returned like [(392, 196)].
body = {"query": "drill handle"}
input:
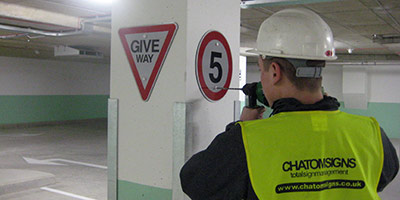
[(250, 90), (252, 101)]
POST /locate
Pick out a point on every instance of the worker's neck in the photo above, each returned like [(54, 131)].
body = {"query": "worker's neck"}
[(304, 96)]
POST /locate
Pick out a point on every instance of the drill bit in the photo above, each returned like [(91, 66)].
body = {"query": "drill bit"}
[(222, 88)]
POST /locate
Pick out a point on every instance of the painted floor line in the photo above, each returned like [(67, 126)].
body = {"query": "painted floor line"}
[(66, 193), (54, 160), (81, 163)]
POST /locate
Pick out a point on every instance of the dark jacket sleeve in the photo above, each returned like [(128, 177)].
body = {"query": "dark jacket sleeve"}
[(218, 172), (390, 162)]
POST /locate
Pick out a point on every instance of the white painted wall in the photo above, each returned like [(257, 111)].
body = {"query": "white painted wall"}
[(23, 76), (252, 73), (242, 76), (332, 81), (382, 81)]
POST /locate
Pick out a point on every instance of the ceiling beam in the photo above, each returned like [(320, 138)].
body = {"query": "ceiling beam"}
[(42, 17)]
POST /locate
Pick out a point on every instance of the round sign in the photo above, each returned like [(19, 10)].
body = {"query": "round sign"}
[(213, 65)]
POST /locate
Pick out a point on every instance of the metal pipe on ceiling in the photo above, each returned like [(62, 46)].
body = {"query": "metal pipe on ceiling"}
[(79, 31), (40, 32), (60, 27), (9, 36), (392, 62), (245, 4), (95, 19), (363, 63)]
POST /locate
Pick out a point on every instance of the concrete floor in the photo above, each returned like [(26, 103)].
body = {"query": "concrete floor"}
[(83, 143)]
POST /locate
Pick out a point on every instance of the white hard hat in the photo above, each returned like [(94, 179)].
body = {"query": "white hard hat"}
[(295, 33)]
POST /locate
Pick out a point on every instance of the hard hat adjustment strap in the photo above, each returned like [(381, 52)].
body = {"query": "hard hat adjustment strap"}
[(308, 72), (307, 68)]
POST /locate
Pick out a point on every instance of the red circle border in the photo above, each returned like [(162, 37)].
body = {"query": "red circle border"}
[(207, 93)]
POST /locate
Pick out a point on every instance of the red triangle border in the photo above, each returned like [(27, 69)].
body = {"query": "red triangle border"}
[(171, 28)]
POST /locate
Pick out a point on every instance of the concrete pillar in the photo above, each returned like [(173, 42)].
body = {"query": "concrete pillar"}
[(155, 137), (242, 76)]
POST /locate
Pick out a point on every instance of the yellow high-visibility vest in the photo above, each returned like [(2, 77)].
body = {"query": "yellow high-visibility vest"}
[(307, 155)]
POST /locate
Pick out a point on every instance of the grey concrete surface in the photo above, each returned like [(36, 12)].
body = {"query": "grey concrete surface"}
[(15, 180), (85, 143)]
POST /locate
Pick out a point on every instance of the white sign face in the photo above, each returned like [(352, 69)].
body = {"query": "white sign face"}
[(213, 66), (146, 48), (215, 57)]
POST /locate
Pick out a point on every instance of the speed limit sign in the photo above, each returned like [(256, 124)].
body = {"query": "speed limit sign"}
[(213, 65)]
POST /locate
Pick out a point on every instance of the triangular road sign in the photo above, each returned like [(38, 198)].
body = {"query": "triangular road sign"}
[(146, 48)]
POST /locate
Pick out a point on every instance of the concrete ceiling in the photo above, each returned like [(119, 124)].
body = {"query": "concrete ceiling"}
[(353, 22), (54, 16)]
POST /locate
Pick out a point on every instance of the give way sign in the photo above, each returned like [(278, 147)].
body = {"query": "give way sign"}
[(146, 48)]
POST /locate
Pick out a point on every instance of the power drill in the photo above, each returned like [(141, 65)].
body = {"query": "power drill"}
[(254, 92)]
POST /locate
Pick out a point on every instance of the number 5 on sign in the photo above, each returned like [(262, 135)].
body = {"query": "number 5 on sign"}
[(213, 65)]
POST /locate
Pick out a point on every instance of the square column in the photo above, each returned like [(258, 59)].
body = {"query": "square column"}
[(151, 149)]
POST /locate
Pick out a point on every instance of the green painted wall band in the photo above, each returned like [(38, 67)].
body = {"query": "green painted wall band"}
[(45, 108), (134, 191), (387, 114)]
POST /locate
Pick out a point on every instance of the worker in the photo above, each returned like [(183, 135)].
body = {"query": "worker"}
[(307, 149)]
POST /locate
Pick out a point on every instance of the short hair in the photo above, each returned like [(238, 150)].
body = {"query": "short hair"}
[(301, 83)]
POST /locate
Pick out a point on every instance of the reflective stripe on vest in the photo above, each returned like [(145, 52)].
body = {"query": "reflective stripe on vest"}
[(314, 155)]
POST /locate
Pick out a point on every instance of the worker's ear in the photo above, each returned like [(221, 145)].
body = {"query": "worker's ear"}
[(276, 72)]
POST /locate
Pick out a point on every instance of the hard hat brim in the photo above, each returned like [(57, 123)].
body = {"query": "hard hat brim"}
[(255, 51)]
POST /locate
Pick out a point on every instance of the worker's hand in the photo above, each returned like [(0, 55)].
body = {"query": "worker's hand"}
[(252, 113)]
